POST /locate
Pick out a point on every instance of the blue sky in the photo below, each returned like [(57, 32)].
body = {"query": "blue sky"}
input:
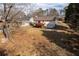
[(50, 5)]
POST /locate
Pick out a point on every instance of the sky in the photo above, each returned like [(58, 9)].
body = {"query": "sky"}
[(44, 6), (57, 6)]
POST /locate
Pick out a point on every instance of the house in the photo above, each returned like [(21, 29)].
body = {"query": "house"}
[(46, 21), (23, 19), (25, 23)]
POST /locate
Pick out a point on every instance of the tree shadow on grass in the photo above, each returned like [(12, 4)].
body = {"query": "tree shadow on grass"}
[(70, 42), (3, 52)]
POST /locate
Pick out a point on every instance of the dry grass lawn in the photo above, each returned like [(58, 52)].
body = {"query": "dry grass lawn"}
[(31, 41)]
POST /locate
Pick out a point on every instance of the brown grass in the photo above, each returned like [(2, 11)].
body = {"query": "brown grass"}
[(31, 41)]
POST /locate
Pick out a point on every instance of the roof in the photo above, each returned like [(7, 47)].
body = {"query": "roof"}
[(44, 18)]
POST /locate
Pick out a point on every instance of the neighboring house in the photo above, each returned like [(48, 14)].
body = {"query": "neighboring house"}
[(48, 21), (23, 19), (25, 23)]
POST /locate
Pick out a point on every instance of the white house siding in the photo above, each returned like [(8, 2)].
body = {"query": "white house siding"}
[(31, 20), (0, 30), (25, 23)]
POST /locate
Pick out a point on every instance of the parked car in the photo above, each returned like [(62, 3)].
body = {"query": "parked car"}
[(49, 25)]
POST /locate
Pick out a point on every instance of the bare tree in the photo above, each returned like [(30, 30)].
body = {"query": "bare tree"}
[(11, 14), (5, 23)]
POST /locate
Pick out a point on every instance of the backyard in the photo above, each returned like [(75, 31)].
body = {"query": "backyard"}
[(28, 29), (40, 41)]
